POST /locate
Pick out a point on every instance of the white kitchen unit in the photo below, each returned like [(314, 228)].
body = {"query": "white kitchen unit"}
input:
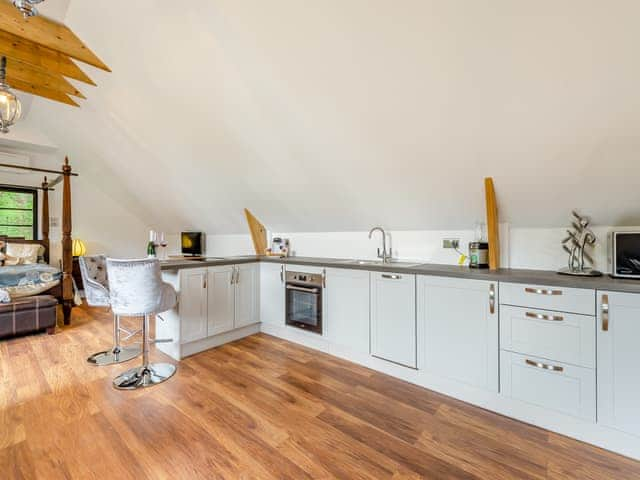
[(193, 304), (548, 354), (460, 330), (346, 297), (216, 305), (618, 331), (566, 337), (393, 317), (272, 293), (221, 290), (562, 387), (247, 294)]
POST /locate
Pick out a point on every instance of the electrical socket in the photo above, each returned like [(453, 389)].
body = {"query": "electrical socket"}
[(450, 243)]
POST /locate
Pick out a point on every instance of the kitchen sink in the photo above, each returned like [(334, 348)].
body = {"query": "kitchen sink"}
[(380, 263), (203, 259)]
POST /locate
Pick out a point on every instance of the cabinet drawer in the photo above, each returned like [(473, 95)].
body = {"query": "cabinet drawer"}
[(565, 337), (548, 297), (554, 385)]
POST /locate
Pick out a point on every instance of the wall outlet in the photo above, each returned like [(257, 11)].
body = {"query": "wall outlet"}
[(451, 243)]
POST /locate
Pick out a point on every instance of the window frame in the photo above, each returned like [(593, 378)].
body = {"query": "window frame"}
[(32, 191)]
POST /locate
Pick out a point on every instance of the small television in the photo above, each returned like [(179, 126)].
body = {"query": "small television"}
[(191, 243)]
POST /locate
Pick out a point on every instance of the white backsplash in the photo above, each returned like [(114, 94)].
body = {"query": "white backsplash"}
[(533, 248)]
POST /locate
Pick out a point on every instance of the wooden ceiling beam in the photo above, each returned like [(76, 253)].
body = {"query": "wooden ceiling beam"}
[(41, 91), (16, 48), (47, 33), (32, 75)]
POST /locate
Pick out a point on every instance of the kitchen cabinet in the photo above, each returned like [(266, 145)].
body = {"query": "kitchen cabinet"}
[(550, 384), (272, 298), (193, 304), (247, 294), (618, 333), (459, 318), (221, 299), (393, 317), (346, 296)]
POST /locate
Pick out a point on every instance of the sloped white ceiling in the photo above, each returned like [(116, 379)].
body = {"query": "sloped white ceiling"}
[(338, 115)]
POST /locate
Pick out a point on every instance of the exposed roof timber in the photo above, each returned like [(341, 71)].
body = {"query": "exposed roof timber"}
[(47, 33), (40, 91), (16, 48), (36, 76)]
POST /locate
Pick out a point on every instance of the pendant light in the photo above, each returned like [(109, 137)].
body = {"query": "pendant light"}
[(10, 107), (27, 7)]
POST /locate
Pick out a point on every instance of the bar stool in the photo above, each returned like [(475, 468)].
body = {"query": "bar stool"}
[(93, 269), (137, 290)]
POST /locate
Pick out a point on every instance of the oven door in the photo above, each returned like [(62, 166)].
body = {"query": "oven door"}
[(304, 307)]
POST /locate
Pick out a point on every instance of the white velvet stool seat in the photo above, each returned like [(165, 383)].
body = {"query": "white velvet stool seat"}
[(96, 289), (137, 290)]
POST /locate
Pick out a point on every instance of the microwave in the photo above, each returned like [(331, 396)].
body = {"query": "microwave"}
[(624, 254)]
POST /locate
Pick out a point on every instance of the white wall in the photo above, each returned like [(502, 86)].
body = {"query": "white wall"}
[(534, 248)]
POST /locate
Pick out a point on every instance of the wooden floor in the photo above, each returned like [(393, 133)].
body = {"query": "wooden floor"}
[(259, 408)]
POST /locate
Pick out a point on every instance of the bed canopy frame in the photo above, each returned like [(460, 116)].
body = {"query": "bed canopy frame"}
[(64, 291)]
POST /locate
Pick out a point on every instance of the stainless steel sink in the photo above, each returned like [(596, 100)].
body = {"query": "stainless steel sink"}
[(380, 263), (203, 259)]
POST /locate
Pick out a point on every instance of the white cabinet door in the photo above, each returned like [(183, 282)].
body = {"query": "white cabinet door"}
[(619, 361), (346, 315), (247, 294), (393, 317), (193, 304), (460, 322), (272, 293), (221, 298)]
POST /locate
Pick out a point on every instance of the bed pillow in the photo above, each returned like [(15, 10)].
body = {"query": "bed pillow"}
[(27, 253)]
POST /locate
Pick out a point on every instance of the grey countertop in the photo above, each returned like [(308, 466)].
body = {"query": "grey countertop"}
[(539, 277)]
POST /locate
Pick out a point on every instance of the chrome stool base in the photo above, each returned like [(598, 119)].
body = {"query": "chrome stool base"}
[(145, 376), (115, 355)]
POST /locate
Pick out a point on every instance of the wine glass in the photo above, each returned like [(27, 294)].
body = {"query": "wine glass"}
[(163, 243)]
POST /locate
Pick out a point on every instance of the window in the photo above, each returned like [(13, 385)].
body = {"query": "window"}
[(19, 212)]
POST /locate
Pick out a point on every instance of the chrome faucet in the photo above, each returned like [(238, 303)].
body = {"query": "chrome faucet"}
[(385, 256)]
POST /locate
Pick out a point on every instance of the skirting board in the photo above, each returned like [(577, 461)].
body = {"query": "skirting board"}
[(191, 348), (592, 433)]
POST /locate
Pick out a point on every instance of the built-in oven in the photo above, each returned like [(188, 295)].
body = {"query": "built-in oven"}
[(304, 301)]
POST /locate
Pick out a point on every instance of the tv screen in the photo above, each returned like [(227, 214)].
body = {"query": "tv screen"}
[(191, 243)]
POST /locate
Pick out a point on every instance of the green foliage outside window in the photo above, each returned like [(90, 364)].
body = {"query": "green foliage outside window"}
[(17, 213)]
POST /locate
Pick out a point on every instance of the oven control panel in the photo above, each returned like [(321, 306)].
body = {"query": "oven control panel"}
[(301, 278)]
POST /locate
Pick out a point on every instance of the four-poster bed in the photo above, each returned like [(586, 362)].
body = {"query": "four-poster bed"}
[(64, 290)]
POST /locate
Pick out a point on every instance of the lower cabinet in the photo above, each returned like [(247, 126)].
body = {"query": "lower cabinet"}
[(460, 338), (247, 291), (272, 304), (346, 297), (562, 387), (393, 317), (215, 300), (193, 304), (618, 335), (221, 299)]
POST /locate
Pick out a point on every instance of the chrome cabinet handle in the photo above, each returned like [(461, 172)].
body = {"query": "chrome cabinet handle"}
[(301, 289), (324, 278), (542, 291), (540, 316), (544, 366), (392, 277), (281, 273), (233, 275), (492, 299), (237, 275), (605, 313), (204, 280)]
